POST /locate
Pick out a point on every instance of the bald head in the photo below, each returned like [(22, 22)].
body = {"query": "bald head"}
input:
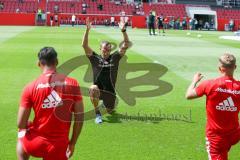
[(105, 48), (227, 60)]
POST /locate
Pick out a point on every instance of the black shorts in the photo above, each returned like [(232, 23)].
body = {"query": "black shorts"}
[(108, 98), (107, 95), (160, 26)]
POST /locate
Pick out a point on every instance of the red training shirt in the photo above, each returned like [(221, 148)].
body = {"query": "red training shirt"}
[(52, 97), (222, 104)]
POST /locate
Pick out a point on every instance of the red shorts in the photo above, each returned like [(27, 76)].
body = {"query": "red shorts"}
[(47, 149), (218, 146)]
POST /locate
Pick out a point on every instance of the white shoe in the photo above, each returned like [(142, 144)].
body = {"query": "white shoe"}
[(98, 119), (101, 106)]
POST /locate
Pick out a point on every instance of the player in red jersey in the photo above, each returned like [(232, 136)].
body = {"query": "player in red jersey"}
[(222, 105), (54, 99)]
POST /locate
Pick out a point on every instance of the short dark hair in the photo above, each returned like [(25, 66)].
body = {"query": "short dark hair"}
[(105, 42), (47, 56)]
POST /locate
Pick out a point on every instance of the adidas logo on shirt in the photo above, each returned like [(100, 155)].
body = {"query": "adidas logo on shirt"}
[(227, 105), (53, 100)]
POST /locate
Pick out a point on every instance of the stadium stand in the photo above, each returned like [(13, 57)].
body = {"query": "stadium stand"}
[(197, 2), (228, 13), (111, 7), (176, 10), (12, 6), (99, 7)]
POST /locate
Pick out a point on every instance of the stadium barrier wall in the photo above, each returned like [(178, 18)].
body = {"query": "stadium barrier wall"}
[(223, 22), (28, 19), (82, 17), (139, 22), (18, 19)]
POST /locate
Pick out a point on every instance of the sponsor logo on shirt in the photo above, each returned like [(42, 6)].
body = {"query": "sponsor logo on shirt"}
[(227, 91), (53, 100), (53, 84), (227, 105), (106, 65)]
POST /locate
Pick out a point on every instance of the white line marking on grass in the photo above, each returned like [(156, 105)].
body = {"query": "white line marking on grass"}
[(236, 38), (7, 32)]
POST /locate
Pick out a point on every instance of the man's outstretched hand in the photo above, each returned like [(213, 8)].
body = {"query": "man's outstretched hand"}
[(197, 77), (122, 25), (88, 23), (70, 150)]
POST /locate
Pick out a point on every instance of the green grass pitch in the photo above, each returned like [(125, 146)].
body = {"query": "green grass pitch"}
[(118, 138)]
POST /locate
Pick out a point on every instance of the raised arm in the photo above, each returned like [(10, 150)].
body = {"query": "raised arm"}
[(125, 44), (77, 126), (191, 92), (87, 49)]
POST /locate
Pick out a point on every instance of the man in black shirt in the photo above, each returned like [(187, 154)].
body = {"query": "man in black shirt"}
[(105, 68), (160, 20), (151, 23)]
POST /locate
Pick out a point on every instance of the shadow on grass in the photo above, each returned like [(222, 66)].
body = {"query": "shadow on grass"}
[(119, 118)]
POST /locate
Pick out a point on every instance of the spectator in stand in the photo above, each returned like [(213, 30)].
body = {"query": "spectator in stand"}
[(137, 9), (56, 9), (141, 12), (1, 6), (122, 13), (118, 3), (84, 11), (20, 1), (72, 5), (84, 7)]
